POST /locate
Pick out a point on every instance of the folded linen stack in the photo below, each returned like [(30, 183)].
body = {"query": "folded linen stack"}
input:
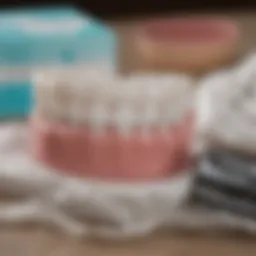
[(226, 172), (226, 181), (97, 125)]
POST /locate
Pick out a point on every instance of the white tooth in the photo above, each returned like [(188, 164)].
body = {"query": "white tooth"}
[(57, 106), (125, 118), (148, 91), (99, 116), (65, 95), (150, 115), (43, 93), (40, 95), (78, 107), (133, 90), (162, 114), (154, 91), (52, 101)]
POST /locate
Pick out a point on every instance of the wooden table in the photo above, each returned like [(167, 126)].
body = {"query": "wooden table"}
[(37, 241)]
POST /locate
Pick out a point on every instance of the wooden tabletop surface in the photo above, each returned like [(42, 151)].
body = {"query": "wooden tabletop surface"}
[(37, 241)]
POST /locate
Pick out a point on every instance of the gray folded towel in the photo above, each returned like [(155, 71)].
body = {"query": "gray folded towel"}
[(226, 181)]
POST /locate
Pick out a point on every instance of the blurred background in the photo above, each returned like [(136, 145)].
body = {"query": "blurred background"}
[(113, 9)]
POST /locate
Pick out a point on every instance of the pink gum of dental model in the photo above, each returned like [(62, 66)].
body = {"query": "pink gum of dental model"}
[(83, 153)]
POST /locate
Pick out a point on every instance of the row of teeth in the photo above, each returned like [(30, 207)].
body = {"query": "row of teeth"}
[(100, 100)]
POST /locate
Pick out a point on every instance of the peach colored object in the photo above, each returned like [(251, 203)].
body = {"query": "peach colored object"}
[(193, 45), (83, 153)]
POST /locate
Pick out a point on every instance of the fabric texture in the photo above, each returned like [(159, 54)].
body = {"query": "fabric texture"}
[(226, 181), (33, 193), (226, 107)]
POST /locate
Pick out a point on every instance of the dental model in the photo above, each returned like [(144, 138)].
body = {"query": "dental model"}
[(90, 125)]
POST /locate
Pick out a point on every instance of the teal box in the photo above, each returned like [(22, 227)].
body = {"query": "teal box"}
[(35, 39)]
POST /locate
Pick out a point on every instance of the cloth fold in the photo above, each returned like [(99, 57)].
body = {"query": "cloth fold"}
[(225, 181), (226, 107)]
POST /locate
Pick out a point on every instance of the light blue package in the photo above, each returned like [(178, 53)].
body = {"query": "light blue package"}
[(49, 37)]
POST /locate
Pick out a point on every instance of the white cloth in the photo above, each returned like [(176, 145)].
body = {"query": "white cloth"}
[(90, 208), (226, 107)]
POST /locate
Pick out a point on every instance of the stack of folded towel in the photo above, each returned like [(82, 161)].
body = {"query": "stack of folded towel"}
[(226, 171), (226, 181)]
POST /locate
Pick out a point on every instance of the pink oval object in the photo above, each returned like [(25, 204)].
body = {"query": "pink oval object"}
[(83, 153), (193, 45)]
